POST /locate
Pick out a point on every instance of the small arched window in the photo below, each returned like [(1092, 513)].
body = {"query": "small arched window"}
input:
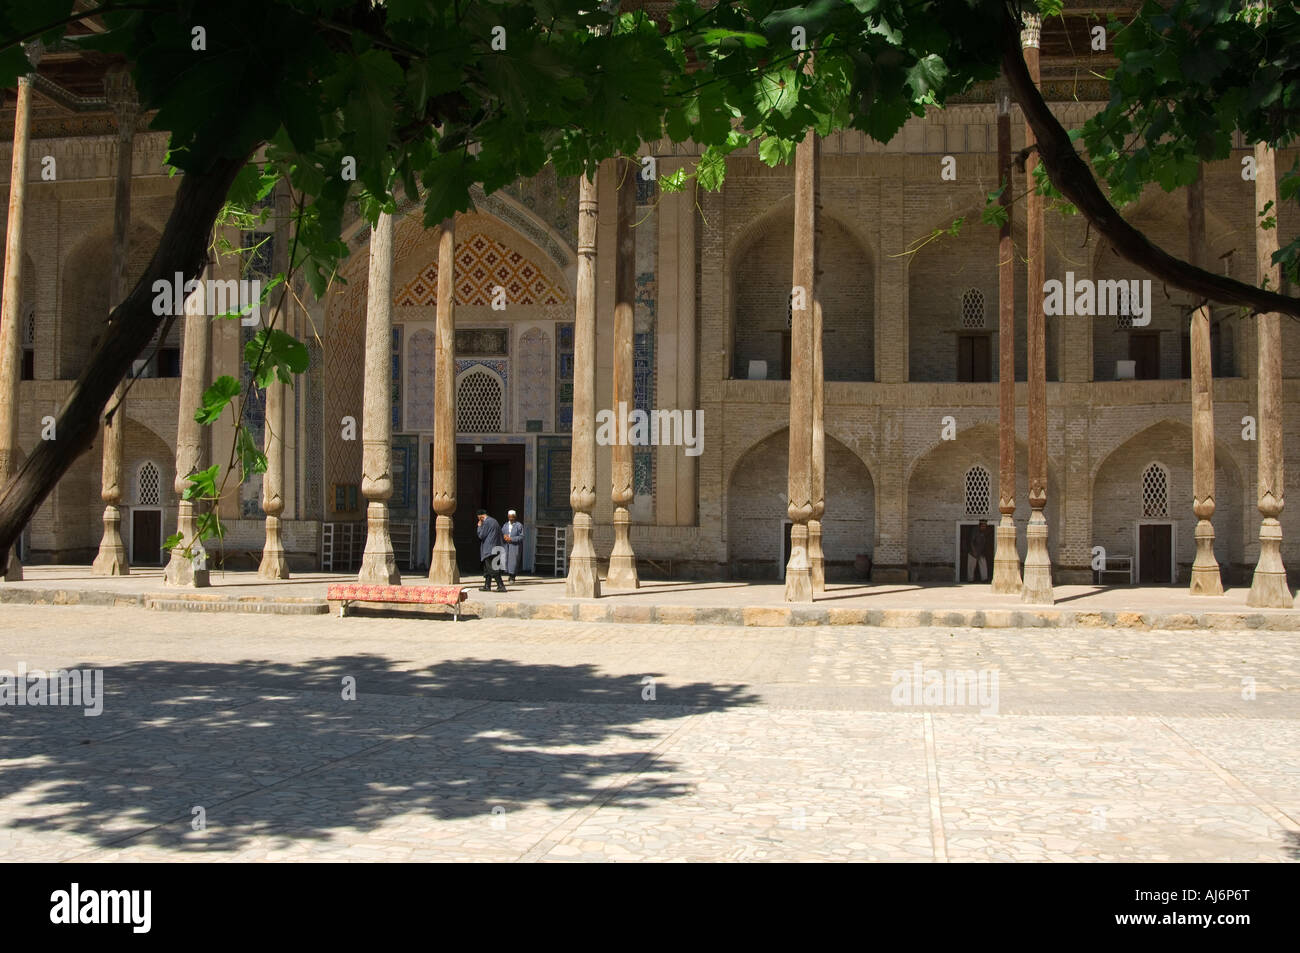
[(979, 492), (1155, 492), (479, 400), (148, 486), (972, 308)]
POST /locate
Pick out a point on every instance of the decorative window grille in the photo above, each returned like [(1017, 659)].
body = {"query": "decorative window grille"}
[(479, 400), (29, 329), (972, 308), (148, 486), (1155, 491), (1124, 318), (978, 492)]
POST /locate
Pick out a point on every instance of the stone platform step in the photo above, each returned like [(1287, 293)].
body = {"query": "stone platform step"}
[(1029, 617), (188, 601), (620, 612)]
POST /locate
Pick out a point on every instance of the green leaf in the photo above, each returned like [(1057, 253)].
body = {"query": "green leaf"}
[(203, 484), (251, 458), (711, 170), (774, 151), (215, 399), (272, 353), (673, 182)]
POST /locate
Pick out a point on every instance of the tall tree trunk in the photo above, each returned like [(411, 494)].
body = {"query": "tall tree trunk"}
[(182, 248)]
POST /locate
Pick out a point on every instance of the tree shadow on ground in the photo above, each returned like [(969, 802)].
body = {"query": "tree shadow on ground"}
[(272, 749)]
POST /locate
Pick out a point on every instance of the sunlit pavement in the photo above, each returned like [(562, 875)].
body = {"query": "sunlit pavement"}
[(250, 737)]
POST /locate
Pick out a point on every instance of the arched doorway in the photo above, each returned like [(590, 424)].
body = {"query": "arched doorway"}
[(757, 525)]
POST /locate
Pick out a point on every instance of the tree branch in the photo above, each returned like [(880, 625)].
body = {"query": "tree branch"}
[(1071, 175), (183, 248)]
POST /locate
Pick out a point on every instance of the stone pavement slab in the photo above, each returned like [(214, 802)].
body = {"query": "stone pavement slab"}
[(563, 741)]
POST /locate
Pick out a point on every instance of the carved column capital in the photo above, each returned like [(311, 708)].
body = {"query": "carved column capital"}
[(1031, 30), (119, 90)]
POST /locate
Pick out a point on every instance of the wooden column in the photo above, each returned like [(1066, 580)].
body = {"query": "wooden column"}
[(800, 508), (622, 560), (274, 564), (1037, 587), (1269, 587), (188, 565), (112, 559), (1006, 555), (816, 557), (584, 576), (442, 564), (1206, 580), (11, 300), (378, 565)]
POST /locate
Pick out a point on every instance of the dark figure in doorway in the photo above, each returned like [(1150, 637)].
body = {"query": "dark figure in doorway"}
[(491, 550), (976, 555)]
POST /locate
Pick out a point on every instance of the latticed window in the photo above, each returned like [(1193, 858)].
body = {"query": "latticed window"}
[(978, 492), (1155, 491), (149, 487), (972, 308), (1124, 317), (478, 403), (29, 329)]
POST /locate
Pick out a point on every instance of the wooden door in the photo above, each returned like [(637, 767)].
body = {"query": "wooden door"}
[(146, 537), (1144, 351), (469, 497), (1155, 554), (974, 358)]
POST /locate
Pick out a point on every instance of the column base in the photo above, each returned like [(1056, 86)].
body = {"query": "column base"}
[(1206, 578), (1006, 560), (274, 565), (14, 569), (1268, 588), (187, 572), (378, 564), (1037, 587), (111, 559), (379, 569), (816, 558), (798, 572), (622, 560), (443, 570), (583, 581)]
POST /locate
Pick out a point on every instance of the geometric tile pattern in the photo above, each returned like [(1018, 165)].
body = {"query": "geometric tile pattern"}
[(483, 263)]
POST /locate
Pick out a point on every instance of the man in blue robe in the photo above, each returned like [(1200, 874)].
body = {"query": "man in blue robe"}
[(513, 534)]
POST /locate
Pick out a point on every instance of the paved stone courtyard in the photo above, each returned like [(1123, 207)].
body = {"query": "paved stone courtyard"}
[(500, 739)]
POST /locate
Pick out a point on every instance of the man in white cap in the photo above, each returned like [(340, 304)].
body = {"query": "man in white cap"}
[(513, 534)]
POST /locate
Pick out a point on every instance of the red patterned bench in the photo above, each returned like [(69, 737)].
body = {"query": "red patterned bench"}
[(343, 593)]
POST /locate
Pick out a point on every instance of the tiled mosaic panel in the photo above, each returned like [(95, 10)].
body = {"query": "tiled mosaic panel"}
[(419, 403), (553, 461), (482, 342), (315, 410), (553, 199), (405, 471), (396, 382), (644, 326), (564, 377), (483, 263), (533, 372), (250, 491)]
